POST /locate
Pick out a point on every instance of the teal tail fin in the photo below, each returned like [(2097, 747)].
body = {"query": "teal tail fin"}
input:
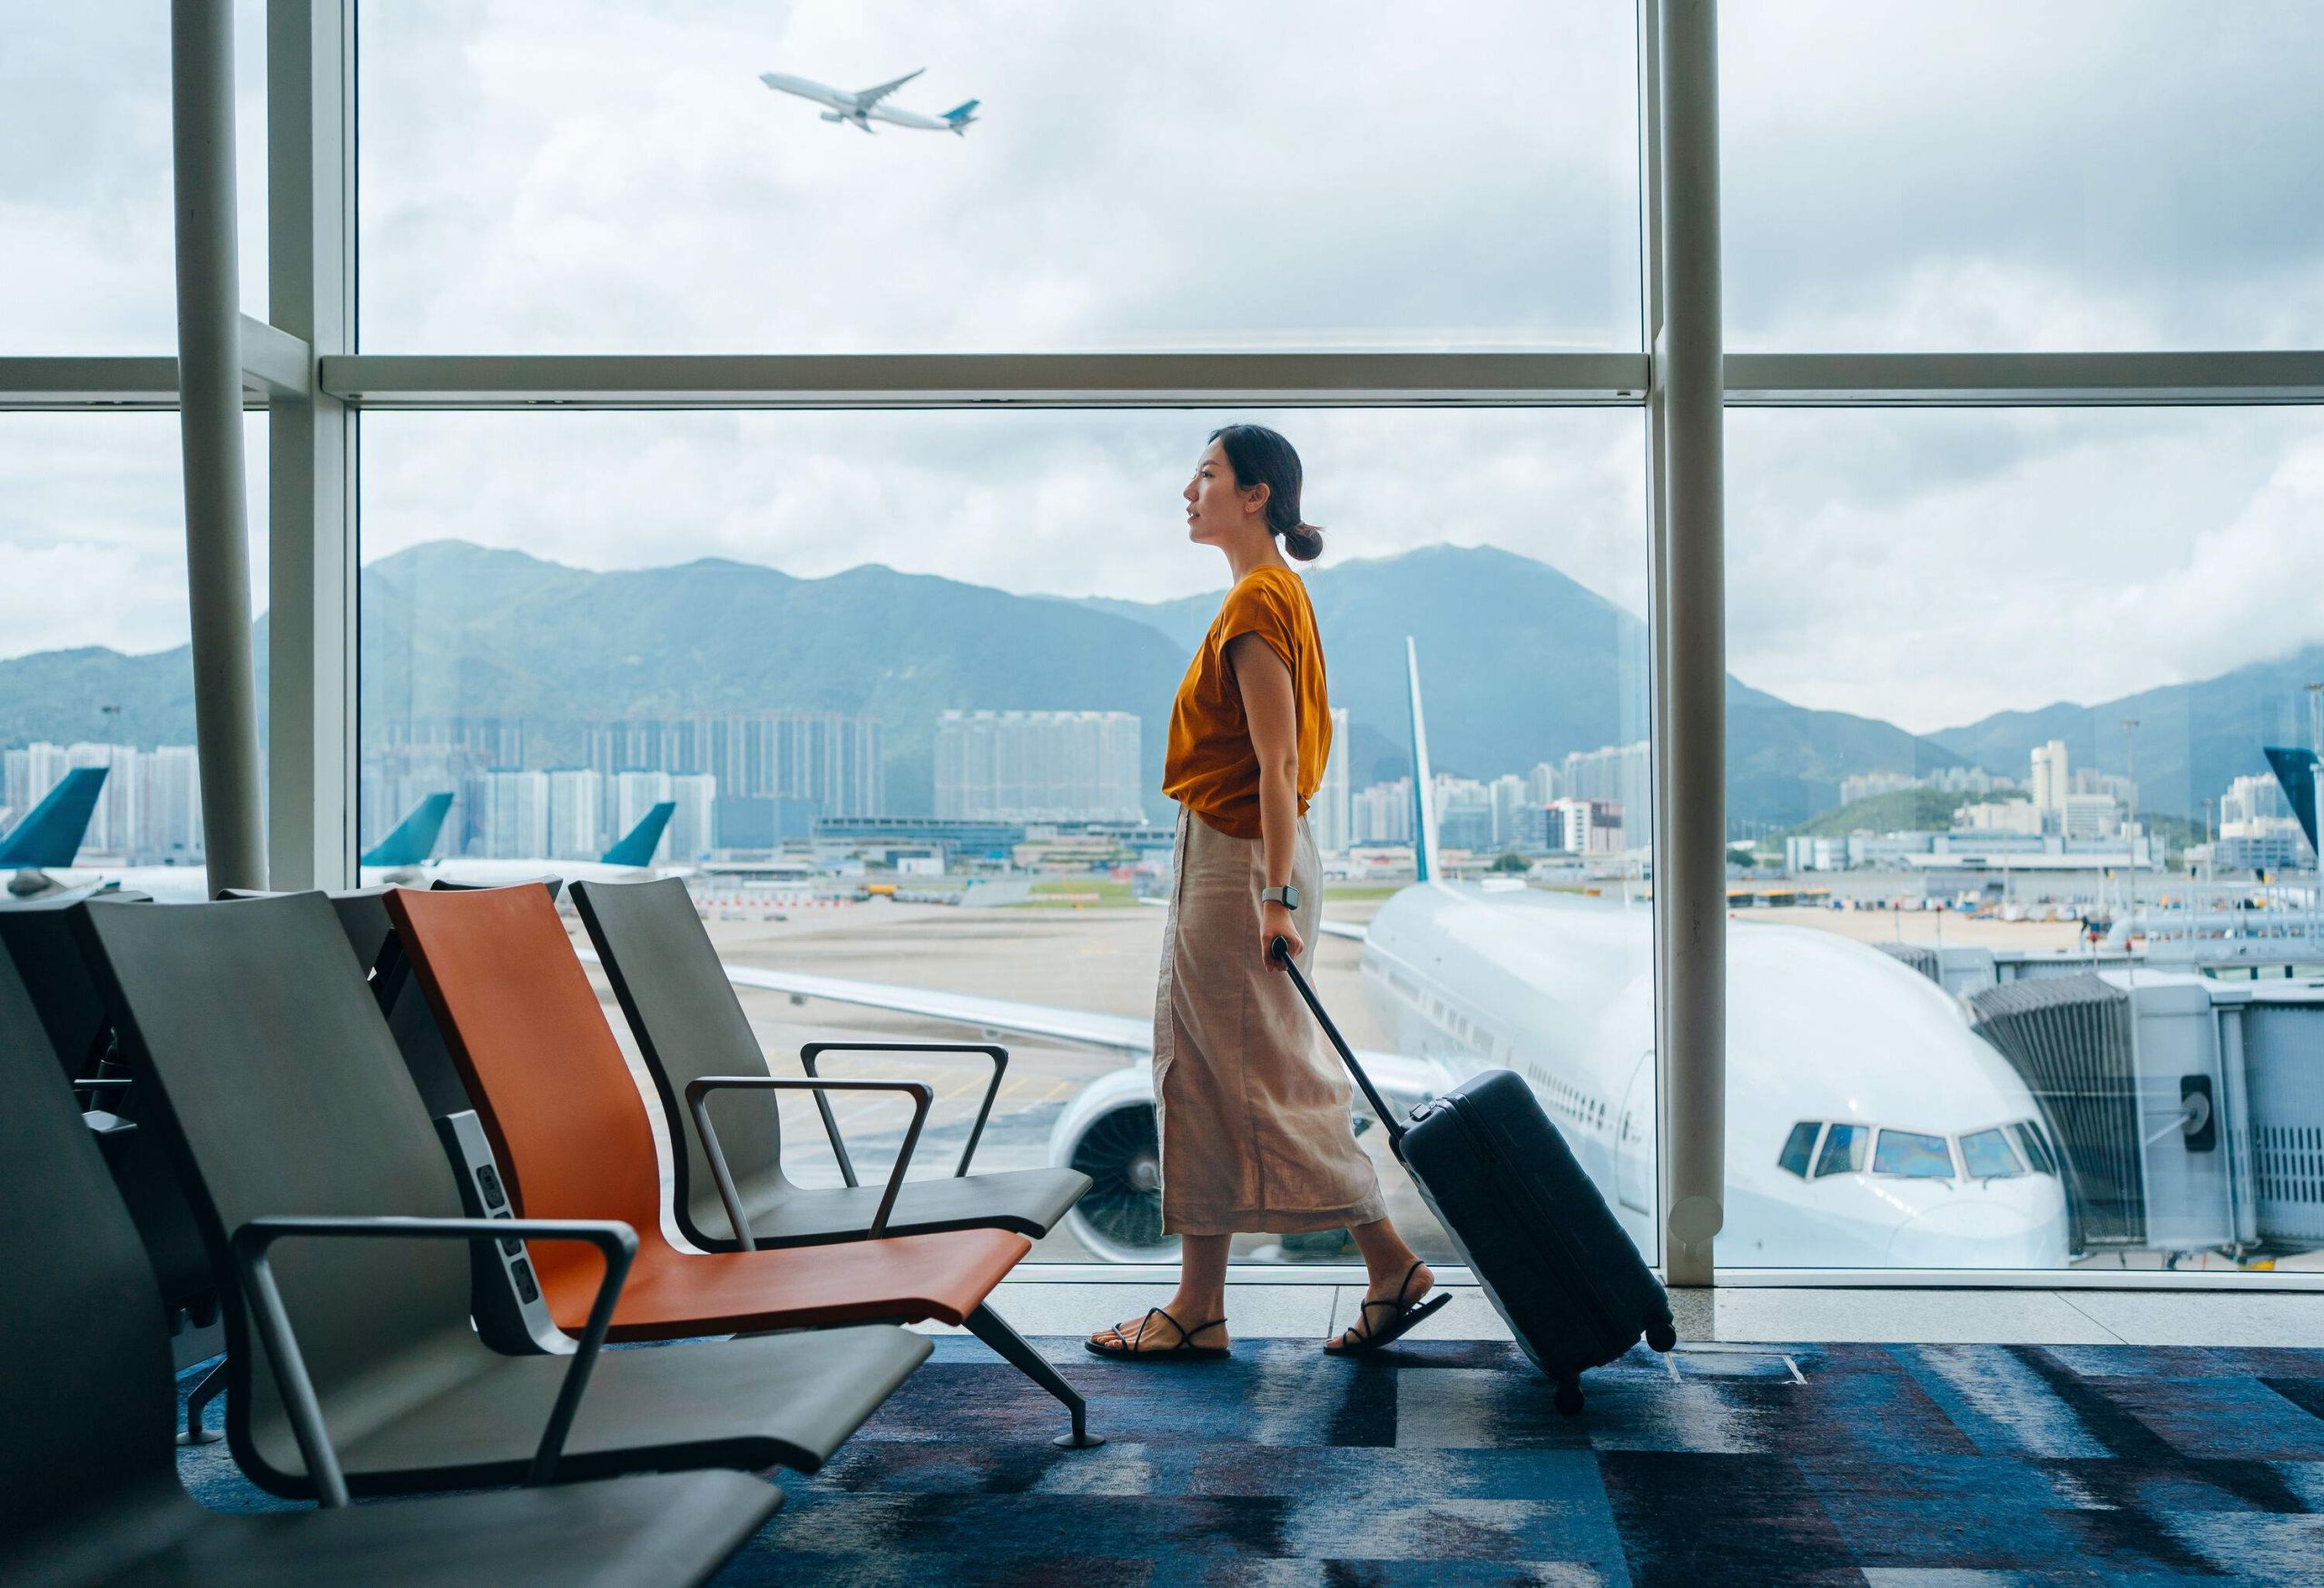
[(2296, 771), (414, 838), (638, 844), (51, 835)]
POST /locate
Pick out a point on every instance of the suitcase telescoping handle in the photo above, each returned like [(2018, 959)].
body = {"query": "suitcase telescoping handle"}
[(1280, 952)]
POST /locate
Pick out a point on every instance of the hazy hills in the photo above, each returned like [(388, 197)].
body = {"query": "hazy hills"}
[(1519, 664)]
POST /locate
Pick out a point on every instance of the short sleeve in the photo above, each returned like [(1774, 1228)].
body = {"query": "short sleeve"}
[(1257, 605)]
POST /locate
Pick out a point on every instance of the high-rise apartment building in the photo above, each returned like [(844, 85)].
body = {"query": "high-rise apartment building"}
[(1037, 766), (1621, 775), (2047, 782), (1381, 814), (513, 814), (827, 758), (1330, 814), (577, 813)]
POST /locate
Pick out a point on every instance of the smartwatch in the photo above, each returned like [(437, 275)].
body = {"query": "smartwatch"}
[(1288, 897)]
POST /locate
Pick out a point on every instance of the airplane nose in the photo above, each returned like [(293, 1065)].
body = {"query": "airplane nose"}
[(1973, 1235)]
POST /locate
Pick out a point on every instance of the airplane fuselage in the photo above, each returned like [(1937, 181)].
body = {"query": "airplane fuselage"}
[(840, 105), (1820, 1031)]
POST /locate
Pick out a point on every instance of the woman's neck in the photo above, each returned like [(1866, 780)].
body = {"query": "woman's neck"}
[(1244, 557)]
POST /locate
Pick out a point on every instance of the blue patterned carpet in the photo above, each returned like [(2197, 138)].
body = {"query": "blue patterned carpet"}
[(1932, 1466)]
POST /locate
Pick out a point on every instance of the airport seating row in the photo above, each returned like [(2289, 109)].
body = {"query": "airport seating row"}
[(401, 1319)]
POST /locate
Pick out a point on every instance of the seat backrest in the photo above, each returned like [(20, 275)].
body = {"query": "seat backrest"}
[(284, 1095), (56, 983), (87, 1411), (565, 1121), (688, 1023)]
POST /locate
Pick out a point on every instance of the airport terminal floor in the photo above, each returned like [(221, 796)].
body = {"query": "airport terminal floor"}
[(1886, 1437)]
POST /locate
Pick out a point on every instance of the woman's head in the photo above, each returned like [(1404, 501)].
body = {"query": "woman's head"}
[(1249, 478)]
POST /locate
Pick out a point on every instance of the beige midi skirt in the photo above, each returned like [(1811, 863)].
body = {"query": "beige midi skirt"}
[(1253, 1106)]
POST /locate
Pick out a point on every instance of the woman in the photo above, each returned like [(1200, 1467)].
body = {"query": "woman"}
[(1253, 1109)]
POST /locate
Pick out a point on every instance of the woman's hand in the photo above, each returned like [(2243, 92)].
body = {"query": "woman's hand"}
[(1275, 921)]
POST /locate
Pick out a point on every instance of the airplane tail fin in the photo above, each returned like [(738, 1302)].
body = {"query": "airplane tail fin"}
[(961, 115), (2296, 771), (1424, 782), (50, 835), (414, 838), (638, 844)]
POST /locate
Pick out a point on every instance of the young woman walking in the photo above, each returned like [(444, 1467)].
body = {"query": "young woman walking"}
[(1253, 1109)]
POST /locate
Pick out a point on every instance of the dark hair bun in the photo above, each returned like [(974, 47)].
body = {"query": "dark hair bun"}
[(1304, 541)]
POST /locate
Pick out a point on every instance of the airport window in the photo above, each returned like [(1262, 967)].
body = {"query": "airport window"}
[(2080, 176), (103, 686), (858, 654), (85, 177), (1912, 1155), (531, 184), (1800, 1147), (1987, 1155), (1845, 1149)]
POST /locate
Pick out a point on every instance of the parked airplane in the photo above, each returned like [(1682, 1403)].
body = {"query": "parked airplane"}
[(1866, 1124), (865, 106), (49, 836), (629, 857)]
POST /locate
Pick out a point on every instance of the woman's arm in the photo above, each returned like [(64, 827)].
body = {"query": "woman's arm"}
[(1264, 684)]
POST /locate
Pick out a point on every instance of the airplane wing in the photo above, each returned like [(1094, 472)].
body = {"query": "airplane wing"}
[(1346, 929), (866, 98), (1403, 1081)]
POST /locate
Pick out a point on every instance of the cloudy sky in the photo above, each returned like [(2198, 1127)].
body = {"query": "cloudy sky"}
[(609, 175)]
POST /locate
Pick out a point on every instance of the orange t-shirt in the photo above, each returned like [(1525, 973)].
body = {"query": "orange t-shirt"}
[(1210, 766)]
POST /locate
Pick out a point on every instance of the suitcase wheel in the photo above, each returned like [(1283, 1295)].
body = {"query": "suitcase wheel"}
[(1569, 1398), (1661, 1337)]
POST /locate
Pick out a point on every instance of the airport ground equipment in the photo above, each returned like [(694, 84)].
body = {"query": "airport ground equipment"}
[(692, 1029), (569, 1127), (283, 1096), (1525, 1218), (89, 1491)]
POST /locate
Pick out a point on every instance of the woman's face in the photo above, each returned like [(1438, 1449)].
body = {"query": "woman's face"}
[(1217, 509)]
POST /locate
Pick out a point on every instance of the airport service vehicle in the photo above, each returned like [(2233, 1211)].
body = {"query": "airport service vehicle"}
[(866, 106), (1868, 1124)]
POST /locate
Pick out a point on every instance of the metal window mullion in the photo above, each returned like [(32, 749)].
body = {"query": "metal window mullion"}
[(310, 701)]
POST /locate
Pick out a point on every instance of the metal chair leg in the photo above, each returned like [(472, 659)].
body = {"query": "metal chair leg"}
[(993, 1329), (212, 1386)]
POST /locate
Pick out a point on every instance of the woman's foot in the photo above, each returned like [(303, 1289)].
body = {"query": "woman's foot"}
[(1161, 1333), (1390, 1307)]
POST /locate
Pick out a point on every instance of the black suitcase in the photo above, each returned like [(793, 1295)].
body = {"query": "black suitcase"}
[(1527, 1221)]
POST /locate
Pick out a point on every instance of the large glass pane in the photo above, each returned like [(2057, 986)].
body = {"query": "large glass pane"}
[(2021, 703), (84, 175), (904, 679), (95, 670), (2077, 174), (541, 175)]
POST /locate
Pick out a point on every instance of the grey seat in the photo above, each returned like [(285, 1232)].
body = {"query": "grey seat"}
[(689, 1024), (285, 1096), (89, 1491)]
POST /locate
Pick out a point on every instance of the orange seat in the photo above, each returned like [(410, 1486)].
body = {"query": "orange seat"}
[(570, 1129)]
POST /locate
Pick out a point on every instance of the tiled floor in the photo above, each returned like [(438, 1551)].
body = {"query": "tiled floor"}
[(1890, 1317)]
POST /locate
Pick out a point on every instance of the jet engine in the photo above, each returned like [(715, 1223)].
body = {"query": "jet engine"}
[(1109, 1133)]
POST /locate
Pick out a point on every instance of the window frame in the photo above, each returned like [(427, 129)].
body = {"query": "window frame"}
[(304, 367)]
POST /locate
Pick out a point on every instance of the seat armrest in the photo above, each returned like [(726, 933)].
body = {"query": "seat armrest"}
[(992, 1051), (698, 1092), (615, 1239)]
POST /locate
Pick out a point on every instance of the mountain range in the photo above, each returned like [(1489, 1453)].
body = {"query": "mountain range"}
[(1519, 664)]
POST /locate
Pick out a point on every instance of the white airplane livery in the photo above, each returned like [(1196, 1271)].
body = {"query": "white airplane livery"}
[(1867, 1125), (860, 108)]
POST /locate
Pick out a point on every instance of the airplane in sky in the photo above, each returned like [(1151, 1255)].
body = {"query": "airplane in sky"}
[(1867, 1125), (861, 108)]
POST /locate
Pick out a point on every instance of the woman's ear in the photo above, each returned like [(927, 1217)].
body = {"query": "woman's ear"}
[(1254, 500)]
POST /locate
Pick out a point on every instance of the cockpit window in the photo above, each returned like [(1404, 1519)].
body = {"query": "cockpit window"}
[(1844, 1149), (2035, 1145), (1798, 1147), (1912, 1155), (1987, 1155)]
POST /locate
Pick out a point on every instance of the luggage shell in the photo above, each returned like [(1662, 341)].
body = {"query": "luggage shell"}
[(1523, 1215)]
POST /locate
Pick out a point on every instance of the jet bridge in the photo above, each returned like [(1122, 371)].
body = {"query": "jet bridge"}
[(2190, 1109)]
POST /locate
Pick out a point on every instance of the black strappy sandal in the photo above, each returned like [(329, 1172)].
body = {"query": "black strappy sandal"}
[(1122, 1348), (1402, 1315)]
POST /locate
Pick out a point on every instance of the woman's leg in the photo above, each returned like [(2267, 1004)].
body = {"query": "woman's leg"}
[(1393, 1270), (1201, 1299)]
